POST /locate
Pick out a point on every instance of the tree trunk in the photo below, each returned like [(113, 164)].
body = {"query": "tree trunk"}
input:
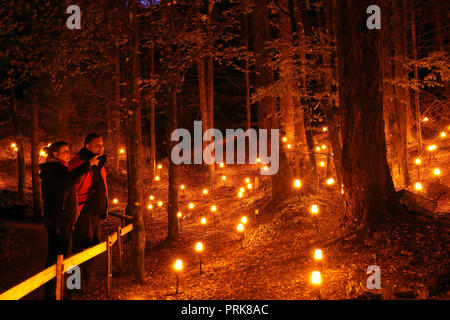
[(369, 190), (202, 95), (298, 41), (266, 106), (172, 208), (20, 147), (116, 111), (247, 75), (210, 81), (135, 198), (287, 98), (416, 89), (36, 182), (152, 115), (332, 121)]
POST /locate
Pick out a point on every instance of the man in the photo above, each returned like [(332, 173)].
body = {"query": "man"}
[(92, 196), (60, 202)]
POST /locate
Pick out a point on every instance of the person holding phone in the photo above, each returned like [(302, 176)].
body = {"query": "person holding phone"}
[(60, 202), (92, 194)]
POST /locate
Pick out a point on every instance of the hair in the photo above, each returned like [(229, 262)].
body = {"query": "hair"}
[(55, 147), (90, 137)]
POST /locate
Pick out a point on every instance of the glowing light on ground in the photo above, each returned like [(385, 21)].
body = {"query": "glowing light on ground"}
[(240, 227), (436, 171), (150, 207), (418, 186), (178, 266), (316, 278), (417, 161), (318, 254), (199, 247), (297, 183), (330, 182), (314, 209), (115, 201), (244, 220)]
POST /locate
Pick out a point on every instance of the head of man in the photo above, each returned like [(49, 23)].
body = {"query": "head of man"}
[(59, 150), (94, 143)]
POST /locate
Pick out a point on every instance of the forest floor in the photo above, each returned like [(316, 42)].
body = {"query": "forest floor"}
[(276, 260)]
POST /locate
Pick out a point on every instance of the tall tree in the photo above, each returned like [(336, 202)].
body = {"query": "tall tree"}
[(134, 139), (369, 190)]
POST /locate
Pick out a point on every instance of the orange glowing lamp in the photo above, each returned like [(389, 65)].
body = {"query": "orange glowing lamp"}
[(418, 186), (244, 220), (115, 201), (322, 164), (249, 186), (289, 146), (316, 278), (13, 145), (240, 195), (213, 208), (150, 207), (324, 129), (318, 149), (224, 178), (199, 247), (121, 150), (178, 266), (157, 178), (437, 171), (443, 134), (160, 203), (432, 147), (191, 205), (284, 139), (203, 220), (318, 254), (330, 181), (182, 187), (179, 214), (42, 153), (221, 165), (314, 209), (151, 197), (425, 119), (417, 161), (266, 168), (247, 180), (297, 183), (324, 147), (240, 227), (159, 166)]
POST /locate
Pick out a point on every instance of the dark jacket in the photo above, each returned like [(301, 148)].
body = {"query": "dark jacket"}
[(59, 192)]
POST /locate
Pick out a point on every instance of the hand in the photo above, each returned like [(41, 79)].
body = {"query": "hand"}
[(94, 160)]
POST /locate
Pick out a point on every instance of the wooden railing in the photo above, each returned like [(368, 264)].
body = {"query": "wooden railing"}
[(62, 265)]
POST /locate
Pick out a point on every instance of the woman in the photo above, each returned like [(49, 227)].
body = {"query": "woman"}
[(60, 200)]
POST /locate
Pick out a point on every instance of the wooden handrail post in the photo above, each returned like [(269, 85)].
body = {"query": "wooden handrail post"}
[(119, 245), (109, 258), (59, 277)]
